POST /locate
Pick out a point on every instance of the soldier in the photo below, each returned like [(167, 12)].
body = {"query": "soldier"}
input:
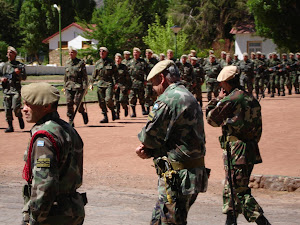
[(239, 115), (228, 61), (186, 74), (247, 74), (162, 56), (170, 55), (105, 72), (174, 137), (294, 68), (259, 71), (127, 58), (199, 78), (296, 81), (222, 60), (150, 95), (206, 60), (286, 78), (235, 60), (12, 73), (252, 57), (275, 74), (212, 69), (122, 86), (138, 72), (76, 81), (54, 162)]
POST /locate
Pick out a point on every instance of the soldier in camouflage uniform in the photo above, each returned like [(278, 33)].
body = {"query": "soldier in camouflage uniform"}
[(186, 74), (259, 71), (138, 72), (222, 60), (150, 95), (174, 137), (294, 68), (54, 162), (76, 81), (122, 86), (252, 57), (235, 60), (228, 61), (239, 115), (287, 78), (11, 74), (276, 73), (199, 78), (127, 58), (296, 79), (105, 72), (247, 75), (212, 69), (162, 56)]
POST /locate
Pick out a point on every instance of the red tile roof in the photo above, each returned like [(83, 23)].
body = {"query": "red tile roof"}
[(243, 29)]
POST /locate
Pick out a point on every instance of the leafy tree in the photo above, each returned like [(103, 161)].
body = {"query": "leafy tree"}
[(278, 20), (3, 51), (161, 38)]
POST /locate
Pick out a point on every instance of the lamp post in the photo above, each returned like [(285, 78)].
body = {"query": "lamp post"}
[(176, 29), (59, 27)]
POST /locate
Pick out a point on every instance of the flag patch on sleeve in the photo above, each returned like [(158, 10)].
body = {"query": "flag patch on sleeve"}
[(40, 143)]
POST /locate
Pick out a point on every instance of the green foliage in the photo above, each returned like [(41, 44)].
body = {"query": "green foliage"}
[(160, 37), (278, 20), (3, 51), (115, 26)]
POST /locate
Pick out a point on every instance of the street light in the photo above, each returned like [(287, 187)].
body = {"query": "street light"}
[(59, 27), (176, 29)]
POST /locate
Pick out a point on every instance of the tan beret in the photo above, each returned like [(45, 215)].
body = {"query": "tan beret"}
[(162, 54), (236, 55), (211, 52), (194, 58), (71, 48), (159, 67), (169, 50), (284, 54), (298, 53), (40, 93), (118, 55), (10, 48), (258, 53), (126, 53), (212, 56), (184, 56), (136, 49), (245, 54), (223, 52), (103, 48), (252, 53), (193, 51), (149, 50), (227, 73), (291, 53)]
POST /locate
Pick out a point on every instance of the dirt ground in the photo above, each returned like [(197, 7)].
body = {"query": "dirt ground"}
[(121, 187)]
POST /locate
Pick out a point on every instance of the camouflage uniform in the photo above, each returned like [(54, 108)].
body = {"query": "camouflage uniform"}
[(198, 73), (187, 75), (76, 80), (123, 85), (175, 130), (126, 62), (211, 72), (259, 71), (287, 79), (105, 72), (12, 88), (222, 63), (247, 75), (235, 62), (56, 168), (296, 76), (239, 114), (275, 75), (150, 95)]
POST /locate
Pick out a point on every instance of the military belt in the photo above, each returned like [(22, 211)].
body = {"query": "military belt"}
[(232, 138), (189, 164)]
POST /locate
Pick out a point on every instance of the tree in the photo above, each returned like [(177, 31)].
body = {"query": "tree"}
[(278, 20), (161, 38)]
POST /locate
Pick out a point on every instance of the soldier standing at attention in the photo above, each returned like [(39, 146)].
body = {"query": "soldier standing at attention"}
[(105, 72), (122, 86), (162, 56), (174, 137), (222, 60), (150, 95), (228, 61), (212, 69), (252, 57), (12, 73), (235, 60), (127, 58), (186, 74), (54, 162), (259, 70), (247, 75), (199, 77), (76, 81), (239, 114), (138, 72)]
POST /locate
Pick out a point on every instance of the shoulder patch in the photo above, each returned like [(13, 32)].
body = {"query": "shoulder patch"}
[(150, 116), (155, 106), (40, 143), (43, 163)]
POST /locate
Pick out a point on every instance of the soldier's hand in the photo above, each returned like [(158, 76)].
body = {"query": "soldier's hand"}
[(91, 87), (141, 152), (222, 94), (17, 71), (3, 79)]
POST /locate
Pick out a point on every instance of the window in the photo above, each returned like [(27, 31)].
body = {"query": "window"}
[(64, 44), (254, 46), (86, 44)]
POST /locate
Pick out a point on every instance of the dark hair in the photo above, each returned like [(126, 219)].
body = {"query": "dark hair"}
[(172, 73), (54, 105)]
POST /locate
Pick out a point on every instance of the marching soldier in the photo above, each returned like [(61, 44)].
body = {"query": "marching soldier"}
[(275, 74), (296, 81), (76, 81), (235, 60), (105, 72), (12, 73), (295, 67), (228, 61), (286, 78), (259, 70), (247, 74)]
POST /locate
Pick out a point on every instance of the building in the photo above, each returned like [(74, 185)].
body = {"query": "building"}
[(246, 40), (70, 36)]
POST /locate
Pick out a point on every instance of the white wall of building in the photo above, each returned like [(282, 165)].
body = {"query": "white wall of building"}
[(241, 43)]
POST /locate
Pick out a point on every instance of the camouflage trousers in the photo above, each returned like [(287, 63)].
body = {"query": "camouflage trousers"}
[(137, 93), (277, 82), (105, 98), (198, 92), (288, 81), (121, 98), (244, 202), (295, 80), (173, 213), (259, 83), (12, 102), (246, 80), (150, 95), (212, 87), (73, 97)]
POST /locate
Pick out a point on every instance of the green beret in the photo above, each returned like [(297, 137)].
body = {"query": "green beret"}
[(40, 93), (227, 73), (159, 67)]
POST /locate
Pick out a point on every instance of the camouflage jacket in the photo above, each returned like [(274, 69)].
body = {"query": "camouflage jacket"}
[(105, 72), (13, 83), (126, 62), (175, 130), (235, 62), (123, 78), (239, 114), (222, 63), (198, 73), (55, 175), (212, 71), (186, 74), (247, 68), (75, 76), (273, 64), (259, 67), (138, 72), (151, 63)]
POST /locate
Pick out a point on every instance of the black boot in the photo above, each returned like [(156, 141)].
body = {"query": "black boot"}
[(201, 103), (147, 110), (143, 110), (262, 220), (21, 122), (272, 95), (126, 111), (85, 117), (105, 119), (133, 112), (10, 127), (230, 220), (113, 115), (71, 122), (290, 92), (283, 94), (117, 116)]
